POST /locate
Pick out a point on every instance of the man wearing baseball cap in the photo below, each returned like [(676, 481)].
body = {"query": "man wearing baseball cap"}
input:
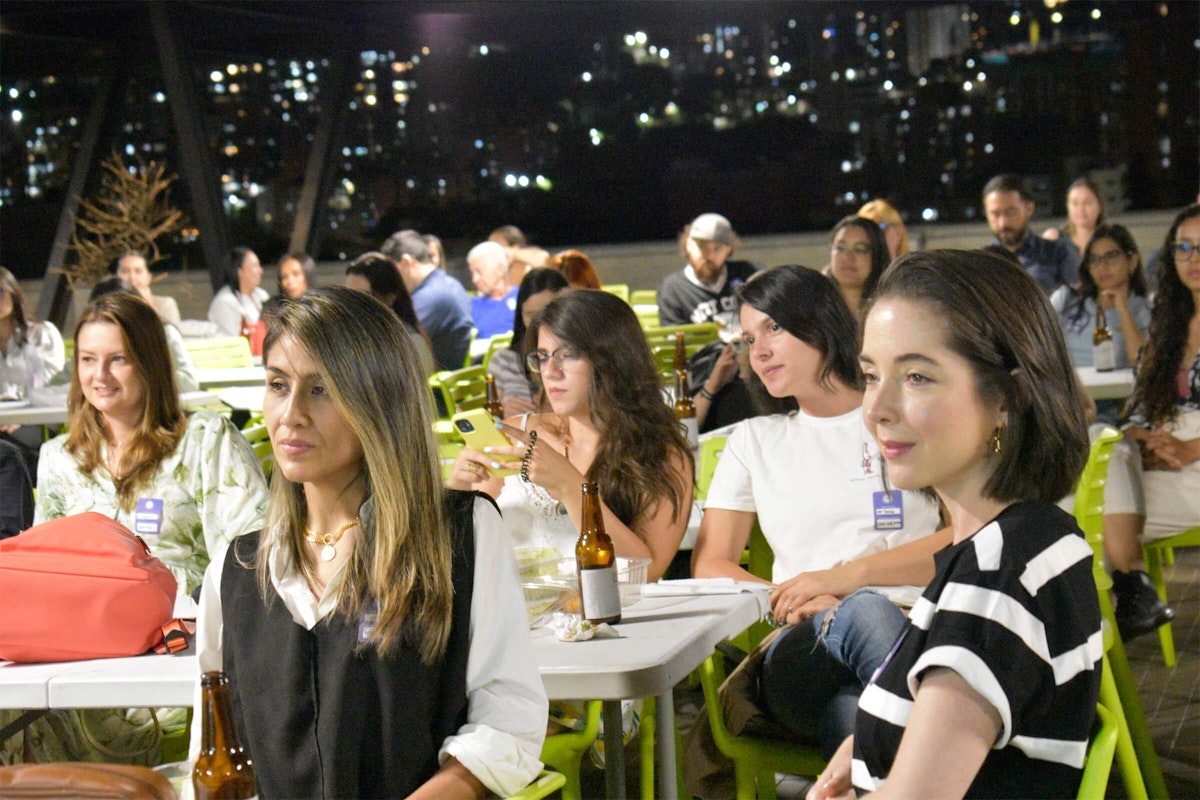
[(704, 289)]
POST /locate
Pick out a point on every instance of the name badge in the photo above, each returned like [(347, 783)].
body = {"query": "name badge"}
[(889, 510), (366, 622), (148, 516)]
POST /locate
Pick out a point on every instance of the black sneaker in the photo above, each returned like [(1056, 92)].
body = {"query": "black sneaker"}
[(1139, 608)]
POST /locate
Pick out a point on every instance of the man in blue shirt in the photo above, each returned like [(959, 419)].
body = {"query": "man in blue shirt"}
[(441, 302), (494, 307), (1009, 207)]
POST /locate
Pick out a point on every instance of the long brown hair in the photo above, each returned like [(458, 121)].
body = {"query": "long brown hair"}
[(162, 423), (639, 432), (373, 375)]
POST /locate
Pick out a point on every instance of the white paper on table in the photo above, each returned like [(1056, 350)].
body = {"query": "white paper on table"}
[(701, 586)]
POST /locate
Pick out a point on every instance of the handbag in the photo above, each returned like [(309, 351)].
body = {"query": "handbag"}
[(84, 780), (81, 587)]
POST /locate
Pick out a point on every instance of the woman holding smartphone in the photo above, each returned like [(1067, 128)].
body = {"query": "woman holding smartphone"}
[(991, 689), (602, 419)]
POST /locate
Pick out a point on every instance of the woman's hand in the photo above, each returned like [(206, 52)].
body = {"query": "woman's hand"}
[(834, 781), (806, 594), (543, 464), (1117, 297), (725, 368), (472, 469), (516, 406), (1162, 450), (788, 612)]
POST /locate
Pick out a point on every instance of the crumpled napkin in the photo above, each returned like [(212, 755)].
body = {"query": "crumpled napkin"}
[(574, 628)]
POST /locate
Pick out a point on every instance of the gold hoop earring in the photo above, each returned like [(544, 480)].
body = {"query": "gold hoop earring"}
[(996, 439)]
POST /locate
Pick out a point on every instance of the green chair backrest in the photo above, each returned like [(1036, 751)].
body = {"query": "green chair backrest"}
[(621, 290), (1098, 763), (256, 434), (706, 465), (643, 297), (222, 351), (662, 344), (497, 342), (462, 389), (1089, 494)]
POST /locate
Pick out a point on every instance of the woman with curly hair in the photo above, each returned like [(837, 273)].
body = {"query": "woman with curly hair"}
[(602, 419), (1165, 423)]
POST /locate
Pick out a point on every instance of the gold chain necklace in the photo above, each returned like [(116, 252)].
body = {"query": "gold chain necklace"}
[(329, 551)]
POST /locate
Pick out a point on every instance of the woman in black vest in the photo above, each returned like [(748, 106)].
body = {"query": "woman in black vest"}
[(360, 663)]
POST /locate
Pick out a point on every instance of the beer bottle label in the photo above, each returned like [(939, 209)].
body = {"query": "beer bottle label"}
[(1104, 356), (599, 592), (691, 431)]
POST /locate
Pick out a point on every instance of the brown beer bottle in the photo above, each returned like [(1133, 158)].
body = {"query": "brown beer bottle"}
[(223, 769), (600, 598), (685, 410), (1104, 349), (493, 404), (681, 357)]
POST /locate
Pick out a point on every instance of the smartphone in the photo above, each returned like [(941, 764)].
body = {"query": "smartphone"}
[(478, 430)]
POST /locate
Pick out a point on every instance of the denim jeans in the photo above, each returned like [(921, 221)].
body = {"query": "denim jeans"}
[(813, 673)]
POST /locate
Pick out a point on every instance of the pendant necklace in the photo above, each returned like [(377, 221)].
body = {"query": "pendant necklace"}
[(330, 540)]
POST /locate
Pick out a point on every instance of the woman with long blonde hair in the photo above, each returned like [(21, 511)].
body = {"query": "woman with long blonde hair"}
[(398, 600)]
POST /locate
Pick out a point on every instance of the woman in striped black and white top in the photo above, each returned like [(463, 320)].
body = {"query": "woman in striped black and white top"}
[(991, 689)]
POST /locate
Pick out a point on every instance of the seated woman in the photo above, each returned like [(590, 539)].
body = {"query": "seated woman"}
[(1161, 476), (191, 483), (239, 302), (1112, 280), (602, 420), (31, 353), (858, 255), (375, 274), (181, 360), (517, 388), (1085, 214), (814, 481), (131, 266), (373, 632), (991, 689)]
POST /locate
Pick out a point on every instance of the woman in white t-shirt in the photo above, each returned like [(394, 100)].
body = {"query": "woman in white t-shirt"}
[(814, 481), (241, 299)]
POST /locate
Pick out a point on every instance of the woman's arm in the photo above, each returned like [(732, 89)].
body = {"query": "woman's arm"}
[(909, 564), (502, 739), (452, 780), (724, 370), (229, 488), (948, 736), (1129, 327), (720, 543), (225, 313)]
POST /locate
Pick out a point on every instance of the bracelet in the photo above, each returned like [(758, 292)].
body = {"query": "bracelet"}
[(706, 394)]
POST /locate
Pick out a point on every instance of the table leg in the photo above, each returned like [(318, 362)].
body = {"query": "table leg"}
[(614, 750), (664, 746)]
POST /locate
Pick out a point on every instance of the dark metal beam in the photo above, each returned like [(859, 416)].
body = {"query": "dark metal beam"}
[(202, 182), (54, 303), (322, 157)]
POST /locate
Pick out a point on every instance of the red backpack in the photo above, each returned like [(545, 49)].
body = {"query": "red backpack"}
[(81, 587)]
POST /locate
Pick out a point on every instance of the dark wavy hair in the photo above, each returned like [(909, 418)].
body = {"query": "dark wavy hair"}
[(307, 266), (639, 431), (1174, 307), (1088, 290), (1000, 321), (381, 274), (880, 255), (21, 320)]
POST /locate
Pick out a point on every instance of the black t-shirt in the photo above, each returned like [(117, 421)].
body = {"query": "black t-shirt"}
[(682, 302)]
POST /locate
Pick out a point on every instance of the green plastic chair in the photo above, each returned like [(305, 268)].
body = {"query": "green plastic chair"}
[(220, 352), (755, 759), (621, 290), (498, 342), (545, 784), (1098, 765), (461, 389), (564, 751), (1154, 552), (255, 433), (662, 344), (1135, 754)]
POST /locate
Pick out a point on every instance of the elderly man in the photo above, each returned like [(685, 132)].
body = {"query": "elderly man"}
[(496, 303), (441, 302), (704, 289), (1008, 207)]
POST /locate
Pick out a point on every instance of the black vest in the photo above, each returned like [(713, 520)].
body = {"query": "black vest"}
[(324, 719)]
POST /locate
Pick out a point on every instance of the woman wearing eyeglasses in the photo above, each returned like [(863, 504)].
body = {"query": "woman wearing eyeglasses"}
[(1165, 423), (1112, 279), (857, 257), (601, 418)]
